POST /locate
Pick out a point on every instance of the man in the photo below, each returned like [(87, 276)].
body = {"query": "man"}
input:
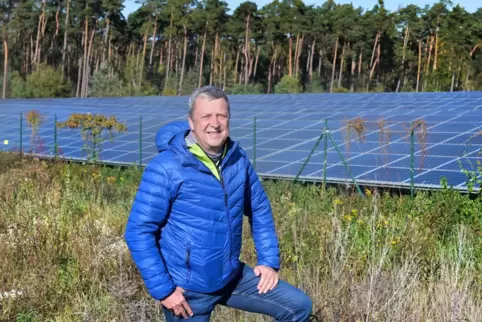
[(185, 227)]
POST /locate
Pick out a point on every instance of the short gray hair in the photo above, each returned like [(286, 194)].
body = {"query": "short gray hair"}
[(209, 92)]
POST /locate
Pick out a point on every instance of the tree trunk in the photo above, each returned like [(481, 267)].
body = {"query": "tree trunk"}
[(84, 72), (352, 73), (64, 50), (334, 66), (39, 32), (342, 58), (153, 43), (56, 34), (251, 65), (183, 61), (79, 77), (168, 67), (212, 67), (320, 60), (105, 39), (436, 45), (296, 55), (419, 63), (372, 71), (256, 64), (290, 64), (246, 50), (374, 48), (5, 62), (405, 42), (221, 65), (429, 55), (217, 58), (236, 67), (272, 67), (89, 55), (201, 65), (310, 71), (360, 60), (224, 71), (144, 50)]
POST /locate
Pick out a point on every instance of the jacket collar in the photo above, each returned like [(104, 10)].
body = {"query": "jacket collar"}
[(178, 144)]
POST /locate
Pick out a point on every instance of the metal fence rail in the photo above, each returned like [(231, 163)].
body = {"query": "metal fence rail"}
[(46, 140)]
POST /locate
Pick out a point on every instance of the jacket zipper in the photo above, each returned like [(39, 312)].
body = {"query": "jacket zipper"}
[(221, 180), (188, 261)]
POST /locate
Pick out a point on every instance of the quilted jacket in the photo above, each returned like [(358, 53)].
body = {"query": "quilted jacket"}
[(185, 225)]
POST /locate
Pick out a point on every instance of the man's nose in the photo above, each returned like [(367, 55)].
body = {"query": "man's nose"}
[(215, 121)]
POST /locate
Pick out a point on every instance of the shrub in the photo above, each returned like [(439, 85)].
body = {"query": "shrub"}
[(247, 89), (107, 86), (288, 85), (47, 81)]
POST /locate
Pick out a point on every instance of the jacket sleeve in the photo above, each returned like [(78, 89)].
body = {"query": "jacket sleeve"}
[(148, 213), (258, 210)]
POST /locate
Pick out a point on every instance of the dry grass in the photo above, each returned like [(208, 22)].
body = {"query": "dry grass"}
[(380, 258)]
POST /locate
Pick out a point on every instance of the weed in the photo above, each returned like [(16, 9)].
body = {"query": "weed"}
[(384, 138), (355, 126), (92, 127), (34, 121), (419, 129)]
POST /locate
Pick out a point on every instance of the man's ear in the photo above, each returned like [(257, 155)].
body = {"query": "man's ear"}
[(191, 122)]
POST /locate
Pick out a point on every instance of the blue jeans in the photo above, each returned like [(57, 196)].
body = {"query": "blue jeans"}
[(284, 303)]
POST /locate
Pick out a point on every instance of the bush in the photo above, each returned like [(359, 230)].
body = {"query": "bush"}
[(18, 88), (315, 86), (247, 89), (103, 85), (47, 81), (288, 85)]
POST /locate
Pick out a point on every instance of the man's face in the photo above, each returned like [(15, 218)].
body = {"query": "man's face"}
[(210, 123)]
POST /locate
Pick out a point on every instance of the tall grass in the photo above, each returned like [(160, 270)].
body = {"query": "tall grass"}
[(379, 258)]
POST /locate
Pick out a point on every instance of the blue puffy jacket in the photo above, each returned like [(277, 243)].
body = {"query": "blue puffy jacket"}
[(185, 226)]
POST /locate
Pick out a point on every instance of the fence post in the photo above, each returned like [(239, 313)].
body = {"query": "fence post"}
[(55, 137), (325, 153), (21, 133), (412, 159), (140, 142), (254, 143)]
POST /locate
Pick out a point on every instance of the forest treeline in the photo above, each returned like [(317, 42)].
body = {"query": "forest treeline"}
[(83, 48)]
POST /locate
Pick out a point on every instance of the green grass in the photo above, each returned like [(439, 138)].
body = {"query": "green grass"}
[(384, 257)]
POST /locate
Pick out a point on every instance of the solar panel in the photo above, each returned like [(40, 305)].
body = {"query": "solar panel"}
[(287, 128)]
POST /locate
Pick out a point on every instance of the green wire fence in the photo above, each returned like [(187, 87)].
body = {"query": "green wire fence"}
[(326, 135)]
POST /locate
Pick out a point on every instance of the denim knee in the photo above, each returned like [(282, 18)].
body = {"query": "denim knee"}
[(304, 307)]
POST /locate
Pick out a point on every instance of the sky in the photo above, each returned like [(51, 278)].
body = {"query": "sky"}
[(391, 5)]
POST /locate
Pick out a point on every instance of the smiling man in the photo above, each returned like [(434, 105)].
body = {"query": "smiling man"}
[(185, 227)]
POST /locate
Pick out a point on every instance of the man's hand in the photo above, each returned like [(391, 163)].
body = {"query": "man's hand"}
[(176, 302), (269, 278)]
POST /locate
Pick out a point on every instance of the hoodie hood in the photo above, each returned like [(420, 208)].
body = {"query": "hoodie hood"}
[(167, 132)]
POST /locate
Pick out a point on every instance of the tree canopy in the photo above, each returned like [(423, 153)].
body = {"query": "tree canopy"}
[(170, 47)]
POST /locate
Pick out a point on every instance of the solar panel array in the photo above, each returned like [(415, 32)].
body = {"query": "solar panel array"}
[(287, 128)]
